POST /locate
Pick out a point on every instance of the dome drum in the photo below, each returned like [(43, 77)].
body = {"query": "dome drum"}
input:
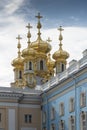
[(61, 61), (40, 73), (26, 72)]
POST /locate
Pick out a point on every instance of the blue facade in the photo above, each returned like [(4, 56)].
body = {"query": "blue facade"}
[(67, 89)]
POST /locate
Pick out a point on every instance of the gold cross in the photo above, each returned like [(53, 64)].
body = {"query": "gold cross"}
[(39, 16), (19, 38), (60, 28), (28, 26), (19, 45)]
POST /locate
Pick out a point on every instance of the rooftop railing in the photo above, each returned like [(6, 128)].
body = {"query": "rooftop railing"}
[(65, 74)]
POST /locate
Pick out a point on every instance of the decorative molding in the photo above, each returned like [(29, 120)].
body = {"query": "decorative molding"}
[(5, 104)]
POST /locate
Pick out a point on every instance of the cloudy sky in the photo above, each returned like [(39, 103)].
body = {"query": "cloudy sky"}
[(16, 14)]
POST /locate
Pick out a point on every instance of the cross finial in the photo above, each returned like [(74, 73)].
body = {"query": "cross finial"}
[(60, 37), (49, 40), (29, 26), (19, 45), (60, 29), (39, 16), (29, 34), (39, 25), (18, 37)]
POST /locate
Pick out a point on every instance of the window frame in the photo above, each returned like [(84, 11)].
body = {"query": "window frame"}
[(30, 65), (28, 118), (52, 113), (0, 117), (41, 65), (83, 122), (72, 104), (61, 125), (61, 109), (52, 126), (44, 117), (72, 118), (82, 99)]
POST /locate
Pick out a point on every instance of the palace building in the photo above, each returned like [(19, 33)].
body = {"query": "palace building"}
[(45, 93)]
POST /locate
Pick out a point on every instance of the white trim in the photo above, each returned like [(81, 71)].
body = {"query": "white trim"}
[(29, 106), (8, 104), (18, 105)]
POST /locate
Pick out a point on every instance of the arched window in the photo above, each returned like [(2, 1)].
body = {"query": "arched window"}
[(71, 104), (41, 65), (20, 74), (83, 120), (62, 67), (52, 113), (44, 117), (62, 124), (30, 65), (72, 123), (61, 109)]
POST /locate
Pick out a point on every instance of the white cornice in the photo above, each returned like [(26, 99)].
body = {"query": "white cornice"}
[(6, 104)]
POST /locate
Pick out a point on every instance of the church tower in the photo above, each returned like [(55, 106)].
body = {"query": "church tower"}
[(42, 48), (60, 56), (29, 62), (34, 65), (18, 65)]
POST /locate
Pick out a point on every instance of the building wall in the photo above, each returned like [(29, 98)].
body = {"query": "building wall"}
[(36, 118), (13, 113), (62, 93)]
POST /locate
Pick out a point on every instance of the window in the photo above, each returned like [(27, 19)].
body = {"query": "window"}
[(83, 99), (71, 105), (61, 109), (44, 128), (0, 117), (52, 113), (62, 67), (83, 120), (72, 123), (28, 118), (52, 127), (61, 125), (30, 65), (41, 65), (44, 117), (20, 74)]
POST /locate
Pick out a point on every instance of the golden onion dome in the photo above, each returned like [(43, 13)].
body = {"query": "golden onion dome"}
[(18, 62), (50, 62), (28, 52), (60, 54), (39, 44)]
